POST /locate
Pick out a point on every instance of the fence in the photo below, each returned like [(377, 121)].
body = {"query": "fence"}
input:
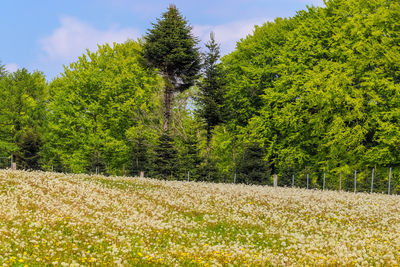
[(385, 180)]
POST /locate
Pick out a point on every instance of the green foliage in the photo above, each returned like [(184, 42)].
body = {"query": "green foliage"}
[(3, 70), (251, 166), (171, 48), (210, 97), (165, 164), (140, 156), (186, 132), (312, 94), (29, 144), (319, 90), (23, 97), (96, 106)]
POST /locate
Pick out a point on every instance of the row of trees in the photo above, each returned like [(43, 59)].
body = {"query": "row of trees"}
[(319, 91), (310, 94), (111, 111)]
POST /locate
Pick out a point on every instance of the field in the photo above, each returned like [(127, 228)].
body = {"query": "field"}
[(72, 220)]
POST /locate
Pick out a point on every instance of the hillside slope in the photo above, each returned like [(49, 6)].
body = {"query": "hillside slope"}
[(78, 219)]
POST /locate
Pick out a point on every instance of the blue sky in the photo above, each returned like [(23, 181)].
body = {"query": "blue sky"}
[(47, 34)]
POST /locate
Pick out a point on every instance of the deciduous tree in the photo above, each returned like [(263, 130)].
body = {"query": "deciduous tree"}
[(23, 101), (96, 106)]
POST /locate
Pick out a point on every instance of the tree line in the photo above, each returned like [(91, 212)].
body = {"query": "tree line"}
[(311, 94)]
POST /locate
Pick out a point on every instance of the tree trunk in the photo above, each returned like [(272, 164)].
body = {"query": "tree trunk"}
[(168, 99), (208, 149)]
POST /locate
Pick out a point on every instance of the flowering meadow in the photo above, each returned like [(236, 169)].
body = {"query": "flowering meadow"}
[(81, 220)]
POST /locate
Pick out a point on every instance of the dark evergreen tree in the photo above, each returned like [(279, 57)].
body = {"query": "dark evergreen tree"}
[(189, 159), (211, 93), (252, 168), (171, 48), (209, 172), (286, 176), (96, 162), (28, 156), (140, 157), (165, 163)]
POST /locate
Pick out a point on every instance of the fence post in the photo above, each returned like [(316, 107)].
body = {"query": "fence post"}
[(323, 183), (355, 181), (188, 176), (141, 174), (234, 178), (292, 180), (275, 180), (390, 177), (13, 166), (308, 178), (340, 182), (372, 180)]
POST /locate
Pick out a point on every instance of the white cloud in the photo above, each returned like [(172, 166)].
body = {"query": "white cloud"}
[(73, 37), (314, 2), (11, 67), (228, 34)]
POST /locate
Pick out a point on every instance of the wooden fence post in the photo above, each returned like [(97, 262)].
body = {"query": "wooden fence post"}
[(355, 181), (275, 180), (372, 180), (390, 177)]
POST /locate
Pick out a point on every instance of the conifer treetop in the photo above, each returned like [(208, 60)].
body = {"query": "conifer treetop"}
[(171, 48)]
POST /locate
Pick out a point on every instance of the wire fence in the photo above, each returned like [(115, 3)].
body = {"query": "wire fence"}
[(385, 180)]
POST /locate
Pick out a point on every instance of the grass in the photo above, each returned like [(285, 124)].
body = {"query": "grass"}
[(81, 220)]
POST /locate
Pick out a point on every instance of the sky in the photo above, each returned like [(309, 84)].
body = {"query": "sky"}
[(45, 35)]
